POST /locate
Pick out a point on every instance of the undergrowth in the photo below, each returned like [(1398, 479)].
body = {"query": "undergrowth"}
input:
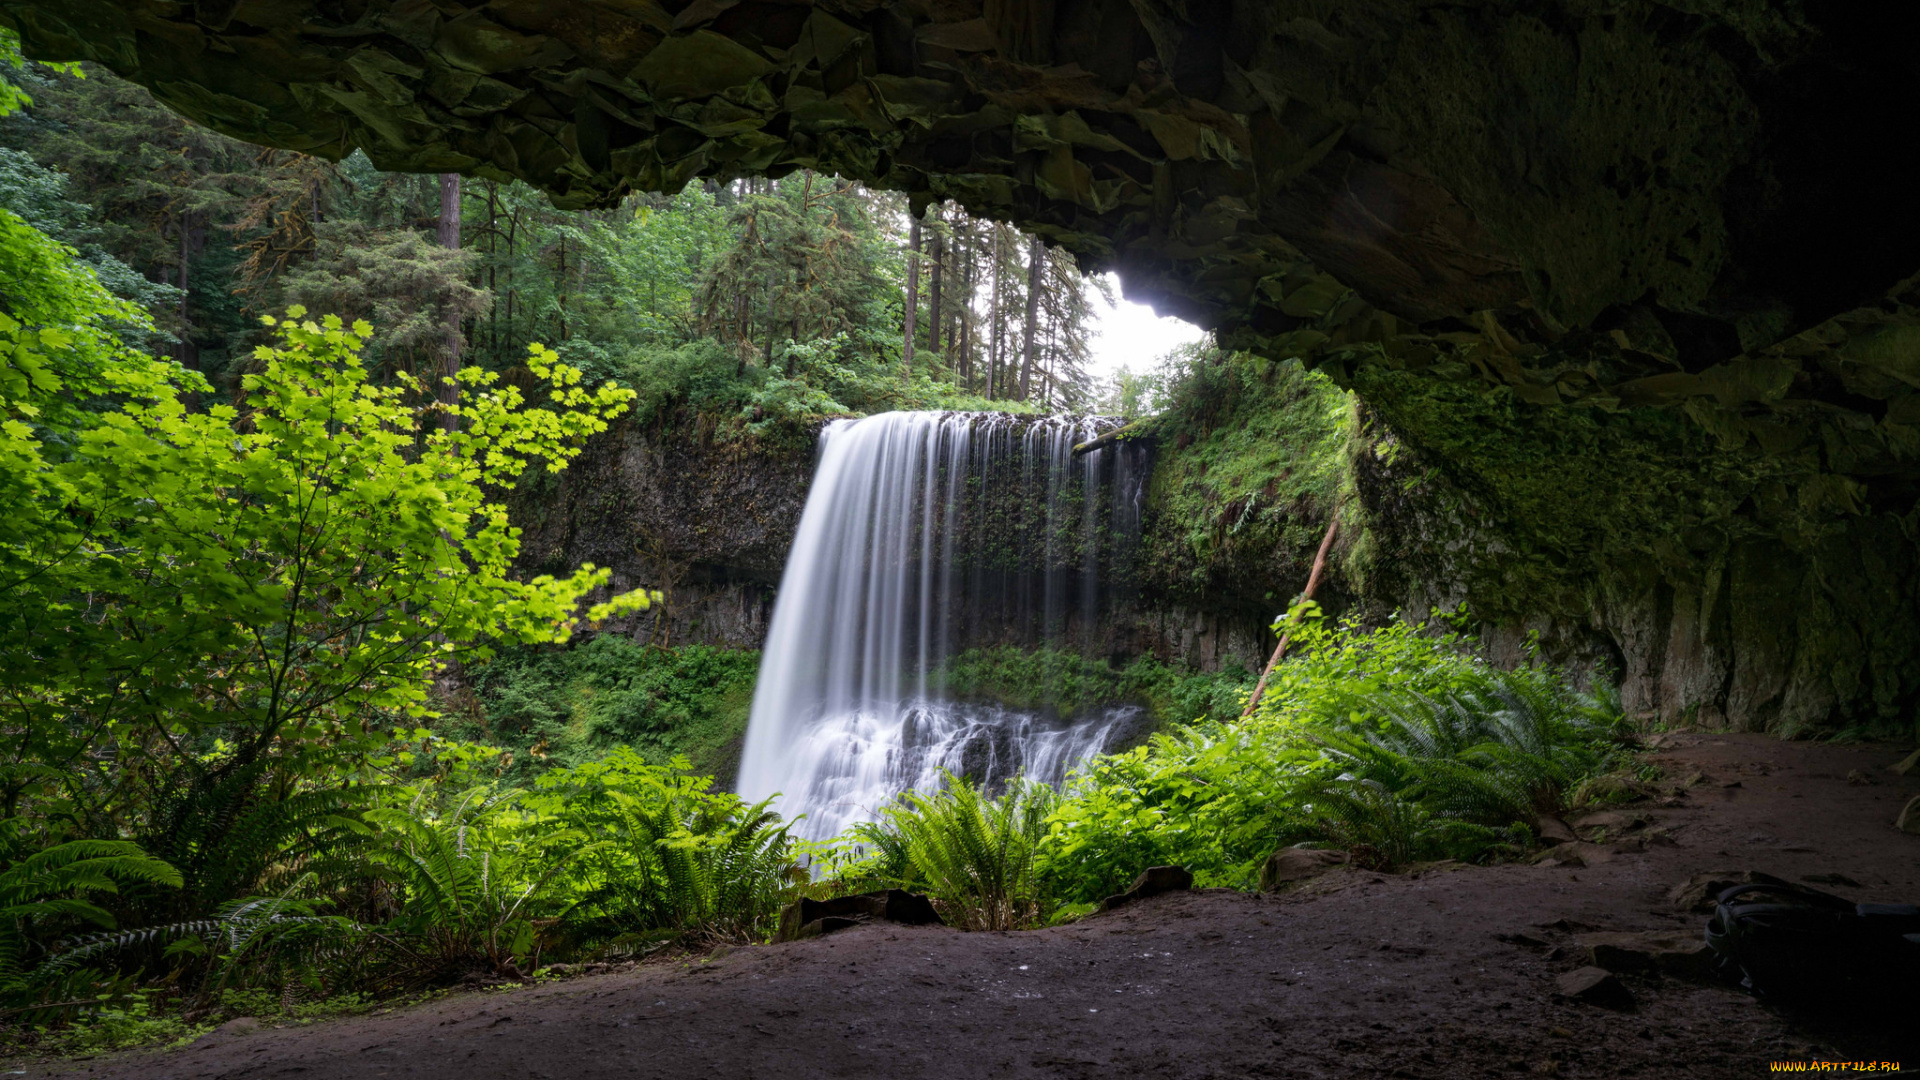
[(451, 861), (564, 705), (1396, 745), (1070, 683)]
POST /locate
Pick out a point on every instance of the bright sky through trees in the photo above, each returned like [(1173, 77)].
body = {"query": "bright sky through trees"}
[(1130, 335)]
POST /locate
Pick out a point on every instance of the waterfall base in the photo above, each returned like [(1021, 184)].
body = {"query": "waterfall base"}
[(856, 762)]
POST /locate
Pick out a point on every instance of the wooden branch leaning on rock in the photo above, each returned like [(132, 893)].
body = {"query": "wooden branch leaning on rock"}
[(1313, 584)]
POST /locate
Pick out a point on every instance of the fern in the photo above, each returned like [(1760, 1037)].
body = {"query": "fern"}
[(975, 853), (1450, 769), (242, 831), (678, 856), (52, 888)]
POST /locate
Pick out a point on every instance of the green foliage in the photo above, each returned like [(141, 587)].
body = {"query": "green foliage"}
[(1397, 744), (668, 854), (279, 587), (54, 891), (397, 279), (977, 854), (1253, 459), (59, 337), (138, 1019), (1070, 683), (566, 705), (474, 878)]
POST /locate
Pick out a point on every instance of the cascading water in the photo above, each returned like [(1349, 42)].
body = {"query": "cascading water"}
[(925, 533)]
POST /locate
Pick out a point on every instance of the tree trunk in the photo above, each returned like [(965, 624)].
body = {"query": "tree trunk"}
[(963, 328), (493, 270), (449, 236), (913, 293), (1313, 584), (513, 276), (189, 351), (560, 287), (933, 293), (1036, 251), (993, 317)]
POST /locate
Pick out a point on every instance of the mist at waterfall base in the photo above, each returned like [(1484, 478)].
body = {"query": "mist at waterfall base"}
[(926, 533)]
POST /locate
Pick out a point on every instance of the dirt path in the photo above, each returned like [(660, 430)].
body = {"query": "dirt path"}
[(1366, 975)]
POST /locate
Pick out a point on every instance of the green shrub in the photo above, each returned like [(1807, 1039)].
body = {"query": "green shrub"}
[(669, 857), (569, 705), (139, 1019), (975, 853), (1397, 744)]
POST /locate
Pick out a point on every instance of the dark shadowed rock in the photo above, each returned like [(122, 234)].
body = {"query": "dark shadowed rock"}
[(806, 918), (1607, 823), (1152, 881), (821, 926), (1699, 892), (1553, 830), (1594, 986), (1578, 853), (1289, 865), (1680, 953)]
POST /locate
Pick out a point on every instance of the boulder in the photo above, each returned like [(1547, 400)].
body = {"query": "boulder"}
[(1553, 830), (806, 918), (1909, 819), (825, 925), (1152, 881), (1614, 822), (1594, 986), (1289, 865), (1680, 953)]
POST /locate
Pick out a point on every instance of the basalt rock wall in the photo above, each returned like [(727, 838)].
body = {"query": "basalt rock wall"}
[(1598, 559), (706, 520)]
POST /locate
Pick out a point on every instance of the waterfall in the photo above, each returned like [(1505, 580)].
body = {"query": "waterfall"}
[(925, 533)]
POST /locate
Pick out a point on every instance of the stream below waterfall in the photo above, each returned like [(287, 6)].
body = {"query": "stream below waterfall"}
[(926, 533)]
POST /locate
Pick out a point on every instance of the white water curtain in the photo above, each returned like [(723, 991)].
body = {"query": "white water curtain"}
[(844, 718)]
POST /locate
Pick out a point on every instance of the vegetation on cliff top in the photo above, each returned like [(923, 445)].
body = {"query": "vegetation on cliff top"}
[(1250, 460)]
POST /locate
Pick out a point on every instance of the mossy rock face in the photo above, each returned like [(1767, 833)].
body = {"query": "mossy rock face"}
[(1632, 277)]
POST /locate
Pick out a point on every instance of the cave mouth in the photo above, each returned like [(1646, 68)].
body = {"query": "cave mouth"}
[(1637, 286)]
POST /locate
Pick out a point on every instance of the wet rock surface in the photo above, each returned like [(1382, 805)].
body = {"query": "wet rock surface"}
[(1353, 974)]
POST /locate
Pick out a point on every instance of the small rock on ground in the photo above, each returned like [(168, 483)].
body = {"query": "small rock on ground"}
[(1595, 986)]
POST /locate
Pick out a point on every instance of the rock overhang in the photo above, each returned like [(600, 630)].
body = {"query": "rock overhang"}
[(1693, 205)]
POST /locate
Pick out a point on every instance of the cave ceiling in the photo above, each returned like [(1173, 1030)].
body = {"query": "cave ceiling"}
[(1698, 205)]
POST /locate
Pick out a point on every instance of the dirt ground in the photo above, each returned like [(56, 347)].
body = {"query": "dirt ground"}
[(1358, 975)]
